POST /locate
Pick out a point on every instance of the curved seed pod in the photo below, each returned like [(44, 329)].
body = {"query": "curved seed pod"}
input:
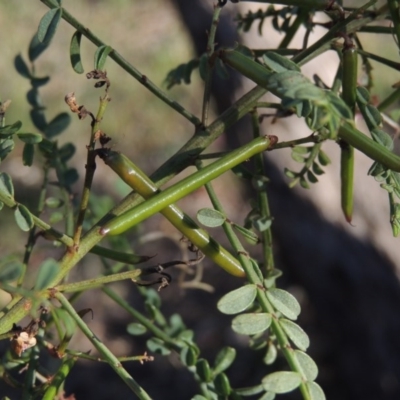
[(138, 181), (349, 80)]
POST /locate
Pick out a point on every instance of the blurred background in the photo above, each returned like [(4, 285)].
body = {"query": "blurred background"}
[(344, 275)]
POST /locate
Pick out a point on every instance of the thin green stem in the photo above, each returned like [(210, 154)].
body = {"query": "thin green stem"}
[(394, 96), (124, 64), (97, 282), (263, 204), (90, 168), (125, 258), (102, 349), (394, 8)]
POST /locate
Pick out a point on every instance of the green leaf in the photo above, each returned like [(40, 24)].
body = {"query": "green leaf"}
[(210, 217), (307, 364), (224, 359), (301, 149), (8, 130), (53, 202), (203, 66), (382, 138), (37, 82), (323, 158), (279, 63), (363, 95), (6, 185), (36, 48), (222, 385), (251, 323), (298, 158), (136, 329), (250, 236), (295, 334), (281, 382), (267, 396), (199, 397), (158, 346), (1, 205), (188, 356), (317, 169), (6, 147), (56, 217), (290, 174), (38, 118), (316, 393), (23, 217), (57, 125), (203, 370), (303, 183), (48, 25), (100, 56), (28, 154), (66, 151), (311, 177), (33, 98), (271, 354), (237, 300), (71, 176), (75, 52), (21, 67), (284, 302), (10, 269), (250, 391), (30, 138), (262, 223), (48, 270)]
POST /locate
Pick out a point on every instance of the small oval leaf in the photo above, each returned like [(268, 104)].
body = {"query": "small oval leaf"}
[(11, 129), (250, 236), (156, 345), (222, 385), (48, 25), (21, 67), (10, 270), (136, 329), (238, 300), (251, 323), (24, 218), (6, 147), (57, 125), (271, 354), (295, 334), (28, 154), (281, 382), (6, 185), (36, 48), (316, 393), (224, 359), (284, 302), (30, 138), (210, 217), (307, 364), (75, 52), (100, 56), (47, 272), (203, 370)]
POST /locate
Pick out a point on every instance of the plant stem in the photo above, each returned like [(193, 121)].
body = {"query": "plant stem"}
[(102, 349), (262, 199), (90, 168)]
